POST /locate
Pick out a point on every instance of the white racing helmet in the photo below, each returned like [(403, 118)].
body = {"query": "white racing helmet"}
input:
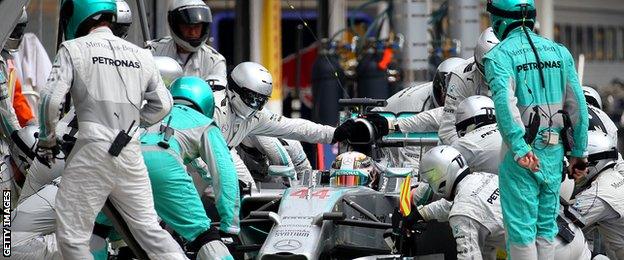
[(440, 79), (124, 19), (15, 38), (443, 167), (352, 169), (602, 153), (169, 69), (592, 97), (474, 112), (249, 87), (487, 40), (189, 12), (23, 146)]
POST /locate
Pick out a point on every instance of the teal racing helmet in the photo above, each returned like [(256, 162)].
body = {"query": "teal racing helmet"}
[(76, 15), (193, 92), (505, 15)]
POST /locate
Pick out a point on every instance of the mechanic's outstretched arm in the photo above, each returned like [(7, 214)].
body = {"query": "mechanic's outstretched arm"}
[(53, 97), (215, 153), (292, 128), (159, 101), (438, 210), (426, 121)]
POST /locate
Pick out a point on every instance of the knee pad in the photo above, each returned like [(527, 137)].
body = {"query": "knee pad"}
[(204, 238), (101, 230)]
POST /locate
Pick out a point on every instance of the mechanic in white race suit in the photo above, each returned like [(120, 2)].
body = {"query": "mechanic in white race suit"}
[(465, 80), (475, 214), (33, 224), (426, 100), (479, 140), (116, 88), (479, 144), (239, 112), (189, 23), (600, 199), (600, 121), (39, 174)]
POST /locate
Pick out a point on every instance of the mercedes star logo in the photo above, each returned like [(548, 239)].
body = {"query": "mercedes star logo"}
[(287, 244)]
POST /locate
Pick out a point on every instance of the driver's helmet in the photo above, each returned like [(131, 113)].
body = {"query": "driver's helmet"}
[(352, 169)]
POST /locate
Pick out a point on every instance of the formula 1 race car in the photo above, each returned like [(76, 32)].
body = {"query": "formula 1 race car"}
[(317, 219)]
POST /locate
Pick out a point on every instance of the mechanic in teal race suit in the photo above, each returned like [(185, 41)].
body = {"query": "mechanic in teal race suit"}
[(187, 133), (532, 103)]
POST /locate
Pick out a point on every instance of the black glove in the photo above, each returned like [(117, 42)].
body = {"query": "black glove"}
[(413, 217), (47, 155), (343, 131), (379, 122)]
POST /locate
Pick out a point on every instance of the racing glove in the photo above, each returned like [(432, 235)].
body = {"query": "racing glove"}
[(380, 123), (47, 150), (343, 131)]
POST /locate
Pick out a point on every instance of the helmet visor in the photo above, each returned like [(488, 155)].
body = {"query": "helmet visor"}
[(347, 180), (192, 15), (439, 87), (251, 99), (18, 31)]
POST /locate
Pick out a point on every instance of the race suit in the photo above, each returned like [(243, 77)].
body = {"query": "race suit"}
[(109, 79), (205, 63), (601, 203), (413, 99), (475, 217), (464, 81), (481, 148), (530, 204), (265, 123), (175, 197), (476, 221), (33, 223)]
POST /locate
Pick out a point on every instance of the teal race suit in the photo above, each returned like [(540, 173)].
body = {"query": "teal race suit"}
[(175, 197), (530, 200)]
